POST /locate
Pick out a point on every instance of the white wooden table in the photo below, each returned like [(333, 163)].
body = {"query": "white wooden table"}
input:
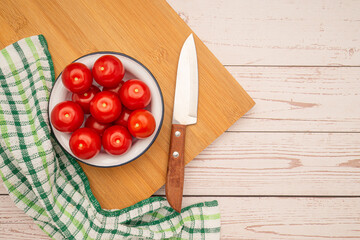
[(289, 169)]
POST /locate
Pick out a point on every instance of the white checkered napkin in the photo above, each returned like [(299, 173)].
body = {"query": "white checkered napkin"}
[(49, 185)]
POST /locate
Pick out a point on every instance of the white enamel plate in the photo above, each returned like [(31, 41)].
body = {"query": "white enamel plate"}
[(134, 69)]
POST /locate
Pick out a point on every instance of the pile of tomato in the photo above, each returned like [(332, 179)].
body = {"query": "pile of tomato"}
[(116, 113)]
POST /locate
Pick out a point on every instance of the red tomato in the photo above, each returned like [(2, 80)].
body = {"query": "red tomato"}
[(114, 89), (141, 123), (116, 140), (108, 71), (77, 78), (67, 116), (85, 143), (98, 127), (83, 99), (135, 94), (105, 107), (124, 116)]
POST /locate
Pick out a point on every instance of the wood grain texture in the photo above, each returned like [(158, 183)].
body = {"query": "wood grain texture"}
[(241, 218), (175, 173), (300, 98), (277, 164), (288, 218), (276, 32), (154, 37), (2, 188)]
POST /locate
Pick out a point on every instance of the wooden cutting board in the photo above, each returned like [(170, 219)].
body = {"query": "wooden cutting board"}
[(152, 32)]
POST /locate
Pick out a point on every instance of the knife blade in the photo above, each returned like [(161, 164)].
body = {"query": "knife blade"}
[(184, 113)]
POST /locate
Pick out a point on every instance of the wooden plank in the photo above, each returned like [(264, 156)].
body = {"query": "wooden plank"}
[(154, 37), (277, 164), (15, 224), (300, 98), (276, 32), (288, 218), (22, 231), (2, 188), (241, 218)]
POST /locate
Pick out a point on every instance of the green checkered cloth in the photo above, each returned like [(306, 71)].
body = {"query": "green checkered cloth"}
[(49, 185)]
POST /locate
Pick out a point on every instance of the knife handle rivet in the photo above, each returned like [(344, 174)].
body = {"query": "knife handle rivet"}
[(177, 134), (175, 154)]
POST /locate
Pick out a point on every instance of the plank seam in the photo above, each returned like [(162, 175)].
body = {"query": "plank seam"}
[(325, 132), (293, 66)]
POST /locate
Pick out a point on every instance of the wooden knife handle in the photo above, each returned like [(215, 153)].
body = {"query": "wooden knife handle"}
[(175, 173)]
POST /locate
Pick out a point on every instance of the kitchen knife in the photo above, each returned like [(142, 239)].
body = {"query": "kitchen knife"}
[(184, 113)]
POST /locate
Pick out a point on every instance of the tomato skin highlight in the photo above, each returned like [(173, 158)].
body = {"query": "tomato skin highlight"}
[(141, 123), (105, 107), (77, 77), (85, 143), (67, 116), (98, 127), (135, 94), (108, 71), (84, 99), (116, 140)]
